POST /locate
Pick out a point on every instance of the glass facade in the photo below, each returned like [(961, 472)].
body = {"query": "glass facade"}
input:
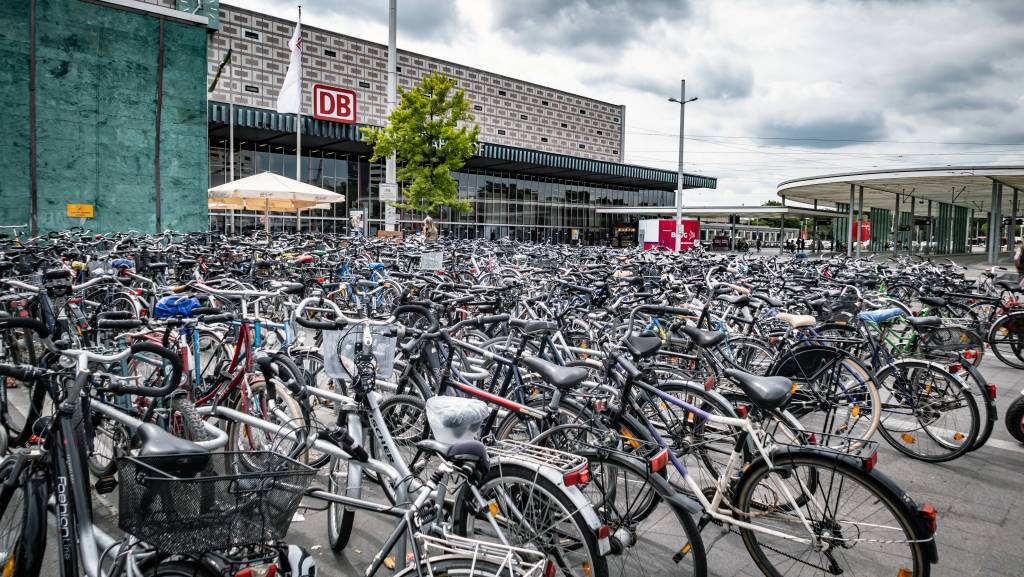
[(503, 205)]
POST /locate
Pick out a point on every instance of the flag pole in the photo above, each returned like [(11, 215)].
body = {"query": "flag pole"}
[(298, 119)]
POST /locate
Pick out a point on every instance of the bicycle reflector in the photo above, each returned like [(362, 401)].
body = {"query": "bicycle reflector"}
[(580, 476), (871, 461), (268, 570), (991, 391), (550, 569), (658, 461), (929, 517)]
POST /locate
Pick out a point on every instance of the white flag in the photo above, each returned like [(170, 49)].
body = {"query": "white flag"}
[(289, 99)]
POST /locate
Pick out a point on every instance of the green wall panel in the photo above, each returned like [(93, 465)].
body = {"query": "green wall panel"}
[(96, 96), (15, 183)]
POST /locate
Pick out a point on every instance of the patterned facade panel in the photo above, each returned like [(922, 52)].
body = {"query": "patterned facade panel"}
[(509, 111)]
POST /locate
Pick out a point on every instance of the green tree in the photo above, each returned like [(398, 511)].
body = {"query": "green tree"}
[(791, 222), (432, 134)]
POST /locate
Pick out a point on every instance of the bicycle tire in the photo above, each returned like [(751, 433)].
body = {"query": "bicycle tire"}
[(616, 474), (406, 427), (521, 478), (749, 507), (1007, 339), (1014, 419), (179, 568), (897, 430), (341, 518), (23, 519)]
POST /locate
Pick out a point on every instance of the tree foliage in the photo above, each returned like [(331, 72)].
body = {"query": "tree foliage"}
[(432, 134), (791, 222)]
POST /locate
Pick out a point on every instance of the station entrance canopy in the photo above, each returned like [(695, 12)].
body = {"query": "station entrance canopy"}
[(935, 205)]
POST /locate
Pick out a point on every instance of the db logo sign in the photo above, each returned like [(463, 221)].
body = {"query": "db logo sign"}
[(334, 104)]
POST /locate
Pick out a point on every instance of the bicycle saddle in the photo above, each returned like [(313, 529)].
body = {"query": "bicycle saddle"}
[(462, 453), (934, 301), (529, 327), (559, 376), (173, 455), (768, 299), (924, 323), (455, 419), (289, 288), (702, 338), (367, 284), (738, 300), (157, 266), (765, 392), (643, 346), (797, 321)]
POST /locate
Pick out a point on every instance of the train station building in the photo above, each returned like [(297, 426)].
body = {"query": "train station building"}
[(110, 116)]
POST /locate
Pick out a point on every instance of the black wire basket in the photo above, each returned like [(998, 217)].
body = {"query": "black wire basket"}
[(232, 502), (950, 339)]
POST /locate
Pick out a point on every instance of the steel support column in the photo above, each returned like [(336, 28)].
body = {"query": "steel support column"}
[(1011, 229), (913, 227), (896, 226), (928, 241), (860, 217), (995, 220), (849, 240)]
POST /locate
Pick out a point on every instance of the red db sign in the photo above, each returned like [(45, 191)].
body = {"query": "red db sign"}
[(334, 104)]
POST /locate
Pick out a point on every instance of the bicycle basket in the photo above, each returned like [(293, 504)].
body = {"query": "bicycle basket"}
[(338, 349), (215, 510), (949, 339)]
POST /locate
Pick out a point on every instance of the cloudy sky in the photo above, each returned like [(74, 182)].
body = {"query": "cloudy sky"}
[(786, 88)]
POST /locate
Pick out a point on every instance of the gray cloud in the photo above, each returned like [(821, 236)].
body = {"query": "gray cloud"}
[(420, 19), (724, 80), (587, 28), (826, 131)]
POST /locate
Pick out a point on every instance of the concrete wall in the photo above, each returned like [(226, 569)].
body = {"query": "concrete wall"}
[(96, 110)]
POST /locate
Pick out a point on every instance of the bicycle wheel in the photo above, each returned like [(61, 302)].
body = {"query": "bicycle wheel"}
[(650, 534), (979, 387), (288, 415), (179, 568), (1015, 419), (1006, 337), (22, 522), (533, 513), (858, 525), (927, 412), (406, 418), (835, 392), (340, 517)]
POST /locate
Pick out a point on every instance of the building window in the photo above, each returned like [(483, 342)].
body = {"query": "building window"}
[(564, 125), (615, 152), (501, 93), (250, 88), (478, 107), (543, 139), (544, 102), (501, 132), (330, 53), (616, 119), (599, 133), (582, 146), (398, 68), (364, 84), (523, 117), (251, 34), (582, 111)]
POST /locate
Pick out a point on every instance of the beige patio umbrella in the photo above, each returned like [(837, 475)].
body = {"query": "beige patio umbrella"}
[(269, 192)]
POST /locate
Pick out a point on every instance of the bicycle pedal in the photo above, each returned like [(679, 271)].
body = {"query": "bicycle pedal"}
[(106, 484)]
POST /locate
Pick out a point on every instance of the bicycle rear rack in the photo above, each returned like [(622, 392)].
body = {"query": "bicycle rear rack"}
[(560, 460)]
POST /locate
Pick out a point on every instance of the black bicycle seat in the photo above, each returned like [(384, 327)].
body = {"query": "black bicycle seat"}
[(923, 323), (765, 392), (643, 346), (173, 455), (702, 338), (462, 453), (559, 376)]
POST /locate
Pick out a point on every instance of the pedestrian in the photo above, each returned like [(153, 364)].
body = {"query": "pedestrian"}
[(430, 232), (758, 244)]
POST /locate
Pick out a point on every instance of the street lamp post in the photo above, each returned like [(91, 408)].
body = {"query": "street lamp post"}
[(681, 101)]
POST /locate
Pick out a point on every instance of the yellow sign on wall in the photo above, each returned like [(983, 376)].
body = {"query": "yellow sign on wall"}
[(80, 211)]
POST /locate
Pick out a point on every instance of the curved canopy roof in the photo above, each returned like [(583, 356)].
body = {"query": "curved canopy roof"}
[(969, 186)]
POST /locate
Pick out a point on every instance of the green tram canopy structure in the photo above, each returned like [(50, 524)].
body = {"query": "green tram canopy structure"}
[(930, 208)]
